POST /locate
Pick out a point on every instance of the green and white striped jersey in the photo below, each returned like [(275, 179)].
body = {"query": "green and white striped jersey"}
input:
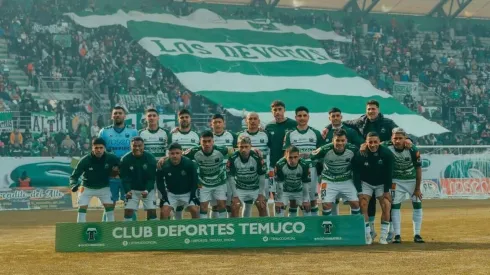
[(337, 167), (405, 162), (292, 178), (212, 170), (260, 140), (306, 140), (226, 139), (156, 142), (186, 139), (246, 172)]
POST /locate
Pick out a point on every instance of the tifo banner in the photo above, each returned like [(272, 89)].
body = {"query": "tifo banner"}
[(210, 234), (79, 119), (47, 120), (6, 122), (55, 28), (245, 65), (456, 175)]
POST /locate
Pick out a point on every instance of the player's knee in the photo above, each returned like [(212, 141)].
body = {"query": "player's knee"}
[(327, 205), (354, 204), (417, 205)]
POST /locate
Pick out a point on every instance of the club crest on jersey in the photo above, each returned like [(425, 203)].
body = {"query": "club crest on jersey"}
[(160, 138), (127, 135), (380, 161), (183, 173), (227, 140), (407, 159), (131, 168), (262, 140), (106, 166), (216, 160), (90, 169), (312, 140), (193, 140), (347, 160), (366, 163), (145, 166), (169, 174), (252, 168), (383, 130)]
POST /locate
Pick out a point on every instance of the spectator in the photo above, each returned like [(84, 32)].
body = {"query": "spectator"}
[(94, 130), (67, 146)]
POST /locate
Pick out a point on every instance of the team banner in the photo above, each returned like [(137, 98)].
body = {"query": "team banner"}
[(36, 198), (210, 234), (6, 122), (47, 120), (245, 65)]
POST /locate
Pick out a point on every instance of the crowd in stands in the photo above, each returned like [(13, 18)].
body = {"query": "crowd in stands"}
[(112, 64)]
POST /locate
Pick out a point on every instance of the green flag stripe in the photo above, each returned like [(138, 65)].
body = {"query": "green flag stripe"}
[(187, 63), (316, 102), (5, 116), (144, 29)]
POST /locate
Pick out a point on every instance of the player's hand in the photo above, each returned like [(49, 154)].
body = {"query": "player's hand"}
[(261, 200), (74, 187), (258, 152), (160, 162), (115, 172), (363, 149), (129, 195), (144, 194), (387, 196), (174, 130), (279, 204), (235, 200), (418, 194), (307, 206), (324, 133), (408, 144)]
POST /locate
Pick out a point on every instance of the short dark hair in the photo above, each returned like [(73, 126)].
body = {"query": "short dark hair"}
[(98, 141), (184, 112), (175, 145), (151, 110), (206, 134), (119, 107), (278, 103), (292, 149), (373, 102), (339, 132), (301, 109), (334, 110), (218, 116), (134, 139), (372, 134)]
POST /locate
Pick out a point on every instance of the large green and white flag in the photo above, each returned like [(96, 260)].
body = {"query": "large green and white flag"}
[(245, 65)]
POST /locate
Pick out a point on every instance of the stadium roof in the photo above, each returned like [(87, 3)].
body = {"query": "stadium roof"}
[(475, 8)]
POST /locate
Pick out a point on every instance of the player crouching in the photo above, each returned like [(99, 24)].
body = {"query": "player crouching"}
[(177, 181), (293, 182), (246, 177), (138, 176)]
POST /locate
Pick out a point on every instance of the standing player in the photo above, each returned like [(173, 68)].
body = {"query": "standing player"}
[(373, 174), (225, 139), (187, 138), (179, 176), (337, 158), (277, 131), (261, 141), (95, 169), (118, 140), (293, 182), (156, 139), (306, 139), (212, 173), (246, 177), (138, 169), (407, 176)]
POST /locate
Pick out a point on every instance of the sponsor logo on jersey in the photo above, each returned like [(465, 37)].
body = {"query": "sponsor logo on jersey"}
[(183, 173), (252, 168), (216, 160)]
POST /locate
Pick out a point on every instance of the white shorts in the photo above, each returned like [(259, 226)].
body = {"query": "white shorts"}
[(271, 183), (207, 194), (149, 203), (86, 194), (290, 196), (247, 195), (333, 190), (368, 189), (402, 188), (175, 200), (314, 184), (229, 195)]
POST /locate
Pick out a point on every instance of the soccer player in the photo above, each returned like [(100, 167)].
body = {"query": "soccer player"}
[(187, 138), (277, 131), (337, 158), (306, 139), (407, 176), (179, 176), (156, 139), (225, 139), (118, 139), (138, 169), (95, 169), (293, 182), (246, 177), (373, 174), (261, 141), (212, 173)]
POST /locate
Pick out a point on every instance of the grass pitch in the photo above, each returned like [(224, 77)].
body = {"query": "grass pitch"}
[(456, 231)]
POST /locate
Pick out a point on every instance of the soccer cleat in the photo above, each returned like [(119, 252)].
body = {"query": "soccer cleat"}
[(383, 240), (398, 239), (390, 236), (369, 240), (373, 235), (418, 239)]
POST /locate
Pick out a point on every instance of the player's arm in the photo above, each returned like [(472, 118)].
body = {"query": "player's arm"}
[(235, 140), (417, 163), (262, 171), (319, 153), (279, 178), (287, 140), (231, 172), (356, 171), (195, 181), (169, 137), (125, 173), (388, 163), (77, 172), (189, 153), (160, 178), (320, 141), (151, 173)]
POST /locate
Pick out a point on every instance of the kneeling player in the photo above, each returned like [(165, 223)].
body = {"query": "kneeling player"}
[(177, 181), (96, 169), (293, 182), (375, 171), (138, 176), (407, 176), (246, 177), (337, 158)]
